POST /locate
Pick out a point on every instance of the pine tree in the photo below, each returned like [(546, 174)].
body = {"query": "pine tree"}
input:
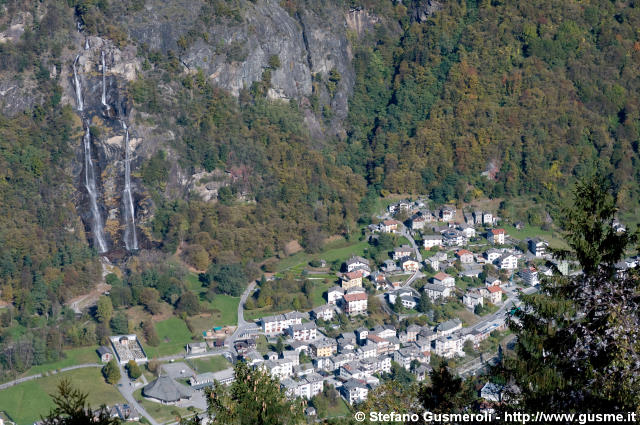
[(254, 398), (72, 409), (445, 393), (579, 337)]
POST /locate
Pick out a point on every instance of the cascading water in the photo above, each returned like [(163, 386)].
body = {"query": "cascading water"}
[(104, 82), (87, 46), (78, 87), (130, 239), (90, 185)]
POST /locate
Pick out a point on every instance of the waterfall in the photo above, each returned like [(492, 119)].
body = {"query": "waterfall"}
[(90, 185), (130, 239), (78, 87), (87, 46), (104, 82)]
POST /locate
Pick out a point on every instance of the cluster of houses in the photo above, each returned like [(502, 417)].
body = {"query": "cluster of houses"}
[(354, 361)]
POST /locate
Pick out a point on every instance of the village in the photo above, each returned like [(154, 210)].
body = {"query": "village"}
[(462, 262)]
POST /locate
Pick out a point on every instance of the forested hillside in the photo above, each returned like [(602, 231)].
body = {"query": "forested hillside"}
[(534, 92), (457, 99)]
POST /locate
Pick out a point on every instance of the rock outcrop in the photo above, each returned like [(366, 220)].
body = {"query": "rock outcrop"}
[(235, 51)]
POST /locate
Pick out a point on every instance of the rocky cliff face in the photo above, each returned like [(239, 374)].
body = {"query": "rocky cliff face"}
[(235, 50), (107, 134)]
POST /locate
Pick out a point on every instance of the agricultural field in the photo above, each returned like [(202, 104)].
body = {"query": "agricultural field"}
[(72, 357), (174, 336), (26, 402), (209, 364), (223, 308)]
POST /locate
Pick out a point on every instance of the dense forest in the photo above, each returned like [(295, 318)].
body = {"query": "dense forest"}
[(479, 99)]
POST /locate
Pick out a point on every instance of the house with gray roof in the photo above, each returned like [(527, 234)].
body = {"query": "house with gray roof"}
[(166, 390)]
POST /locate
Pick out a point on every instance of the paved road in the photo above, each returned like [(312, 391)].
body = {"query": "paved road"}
[(405, 232), (126, 389), (42, 375), (243, 325)]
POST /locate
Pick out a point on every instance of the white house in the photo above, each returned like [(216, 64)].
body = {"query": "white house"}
[(358, 263), (472, 299), (433, 262), (402, 252), (448, 327), (355, 303), (465, 256), (449, 346), (453, 237), (410, 265), (389, 226), (418, 222), (435, 291), (538, 247), (496, 236), (272, 325), (487, 218), (354, 391), (448, 213), (494, 294), (492, 281), (468, 231), (530, 276), (429, 241), (324, 312), (444, 279), (508, 262), (492, 255), (303, 332), (334, 294)]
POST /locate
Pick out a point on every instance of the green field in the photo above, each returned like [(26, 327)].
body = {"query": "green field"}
[(317, 296), (554, 238), (173, 335), (340, 409), (160, 412), (73, 356), (209, 364), (337, 250), (26, 402), (399, 277), (224, 308)]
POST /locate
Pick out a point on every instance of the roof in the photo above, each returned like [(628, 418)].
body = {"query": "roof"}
[(389, 222), (166, 389), (494, 289), (449, 324), (375, 338), (434, 287), (432, 237), (463, 252), (357, 259), (497, 231), (335, 289), (102, 350), (358, 296), (354, 383), (303, 326), (441, 276), (357, 274), (403, 248)]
